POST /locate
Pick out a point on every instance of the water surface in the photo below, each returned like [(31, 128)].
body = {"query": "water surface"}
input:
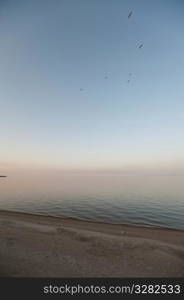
[(145, 200)]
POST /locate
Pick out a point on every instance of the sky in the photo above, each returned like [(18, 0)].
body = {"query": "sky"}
[(77, 92)]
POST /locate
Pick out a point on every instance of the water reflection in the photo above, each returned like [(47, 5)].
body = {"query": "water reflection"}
[(151, 200)]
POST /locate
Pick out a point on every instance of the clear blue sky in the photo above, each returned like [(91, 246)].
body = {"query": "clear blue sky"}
[(52, 49)]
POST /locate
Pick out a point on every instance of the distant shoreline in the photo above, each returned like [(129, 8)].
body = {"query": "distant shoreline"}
[(77, 248)]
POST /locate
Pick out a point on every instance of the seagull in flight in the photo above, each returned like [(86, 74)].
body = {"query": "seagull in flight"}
[(140, 46), (129, 15)]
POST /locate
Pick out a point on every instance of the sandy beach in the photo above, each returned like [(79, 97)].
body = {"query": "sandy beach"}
[(43, 246)]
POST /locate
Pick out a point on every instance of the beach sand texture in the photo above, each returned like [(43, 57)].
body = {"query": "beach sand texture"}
[(43, 246)]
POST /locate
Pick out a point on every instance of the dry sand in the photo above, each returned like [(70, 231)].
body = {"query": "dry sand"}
[(42, 246)]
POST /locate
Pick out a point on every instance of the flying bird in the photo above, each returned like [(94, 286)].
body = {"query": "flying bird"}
[(128, 81), (105, 77), (129, 15), (81, 89), (129, 74), (140, 46)]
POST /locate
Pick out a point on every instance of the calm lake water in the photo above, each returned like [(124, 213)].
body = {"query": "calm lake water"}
[(150, 200)]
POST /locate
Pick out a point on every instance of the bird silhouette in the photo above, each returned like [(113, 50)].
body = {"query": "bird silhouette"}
[(140, 46), (105, 77), (129, 15), (81, 89)]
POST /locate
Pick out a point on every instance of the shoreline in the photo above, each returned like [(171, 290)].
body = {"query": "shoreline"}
[(36, 245), (137, 225)]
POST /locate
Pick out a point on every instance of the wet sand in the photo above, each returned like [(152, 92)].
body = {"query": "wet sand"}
[(42, 246)]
